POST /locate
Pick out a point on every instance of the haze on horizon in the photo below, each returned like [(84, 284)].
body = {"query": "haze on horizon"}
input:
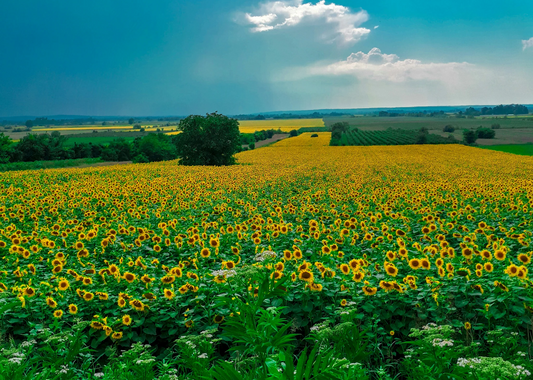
[(180, 57)]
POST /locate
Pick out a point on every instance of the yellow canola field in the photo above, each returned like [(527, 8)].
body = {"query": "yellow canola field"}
[(286, 125), (148, 247)]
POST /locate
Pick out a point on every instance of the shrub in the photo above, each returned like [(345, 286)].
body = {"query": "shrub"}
[(293, 133), (495, 126), (485, 133), (314, 135), (449, 128), (251, 146), (140, 159)]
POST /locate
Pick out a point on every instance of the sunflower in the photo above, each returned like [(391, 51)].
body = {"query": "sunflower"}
[(72, 309), (369, 291), (169, 294), (278, 266), (218, 319), (121, 302), (214, 243), (29, 291), (315, 287), (478, 287), (130, 277), (525, 259), (205, 253), (354, 264), (391, 255), (87, 281), (391, 270), (231, 264), (343, 303), (414, 264), (425, 264), (58, 314), (51, 303), (512, 270), (345, 268), (276, 275), (467, 252), (126, 320), (485, 255), (88, 296), (500, 255), (385, 285), (97, 325), (358, 276), (137, 305), (117, 335), (79, 245), (189, 323), (168, 279), (63, 285), (306, 276), (468, 326)]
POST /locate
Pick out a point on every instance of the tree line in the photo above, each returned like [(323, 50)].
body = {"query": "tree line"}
[(204, 140)]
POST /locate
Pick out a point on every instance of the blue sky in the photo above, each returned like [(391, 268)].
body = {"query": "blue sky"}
[(178, 57)]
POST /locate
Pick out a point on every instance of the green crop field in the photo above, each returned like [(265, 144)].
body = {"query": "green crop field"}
[(525, 149), (389, 137), (431, 123)]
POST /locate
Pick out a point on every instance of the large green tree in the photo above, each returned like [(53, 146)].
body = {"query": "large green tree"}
[(207, 140)]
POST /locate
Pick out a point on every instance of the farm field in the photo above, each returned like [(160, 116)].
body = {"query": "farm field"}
[(286, 125), (431, 123), (383, 238), (354, 137), (503, 136), (525, 149)]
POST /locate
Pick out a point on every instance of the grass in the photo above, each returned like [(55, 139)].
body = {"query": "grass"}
[(35, 165), (523, 149)]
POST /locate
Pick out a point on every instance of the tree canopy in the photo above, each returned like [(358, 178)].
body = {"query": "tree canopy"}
[(207, 140)]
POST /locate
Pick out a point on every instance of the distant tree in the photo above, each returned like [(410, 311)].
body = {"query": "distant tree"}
[(131, 120), (338, 129), (104, 122), (137, 126), (469, 136), (117, 150), (495, 126), (29, 123), (207, 140), (485, 133), (155, 147), (422, 137), (251, 146), (449, 128), (314, 135), (293, 133), (6, 148)]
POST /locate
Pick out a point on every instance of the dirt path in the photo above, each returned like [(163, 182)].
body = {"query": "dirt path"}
[(108, 163), (271, 140)]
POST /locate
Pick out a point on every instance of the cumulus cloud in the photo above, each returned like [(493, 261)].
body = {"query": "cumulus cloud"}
[(378, 66), (281, 14), (527, 43)]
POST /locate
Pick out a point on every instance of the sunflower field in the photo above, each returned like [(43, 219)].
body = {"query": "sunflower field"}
[(233, 271)]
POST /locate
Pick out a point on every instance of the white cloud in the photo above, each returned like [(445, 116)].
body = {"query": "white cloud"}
[(376, 66), (527, 43), (279, 14)]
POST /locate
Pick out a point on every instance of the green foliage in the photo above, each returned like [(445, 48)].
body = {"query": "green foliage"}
[(251, 146), (207, 140), (495, 126), (36, 147), (314, 135), (485, 133), (469, 136), (155, 147), (389, 137), (6, 148), (449, 128), (293, 133)]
